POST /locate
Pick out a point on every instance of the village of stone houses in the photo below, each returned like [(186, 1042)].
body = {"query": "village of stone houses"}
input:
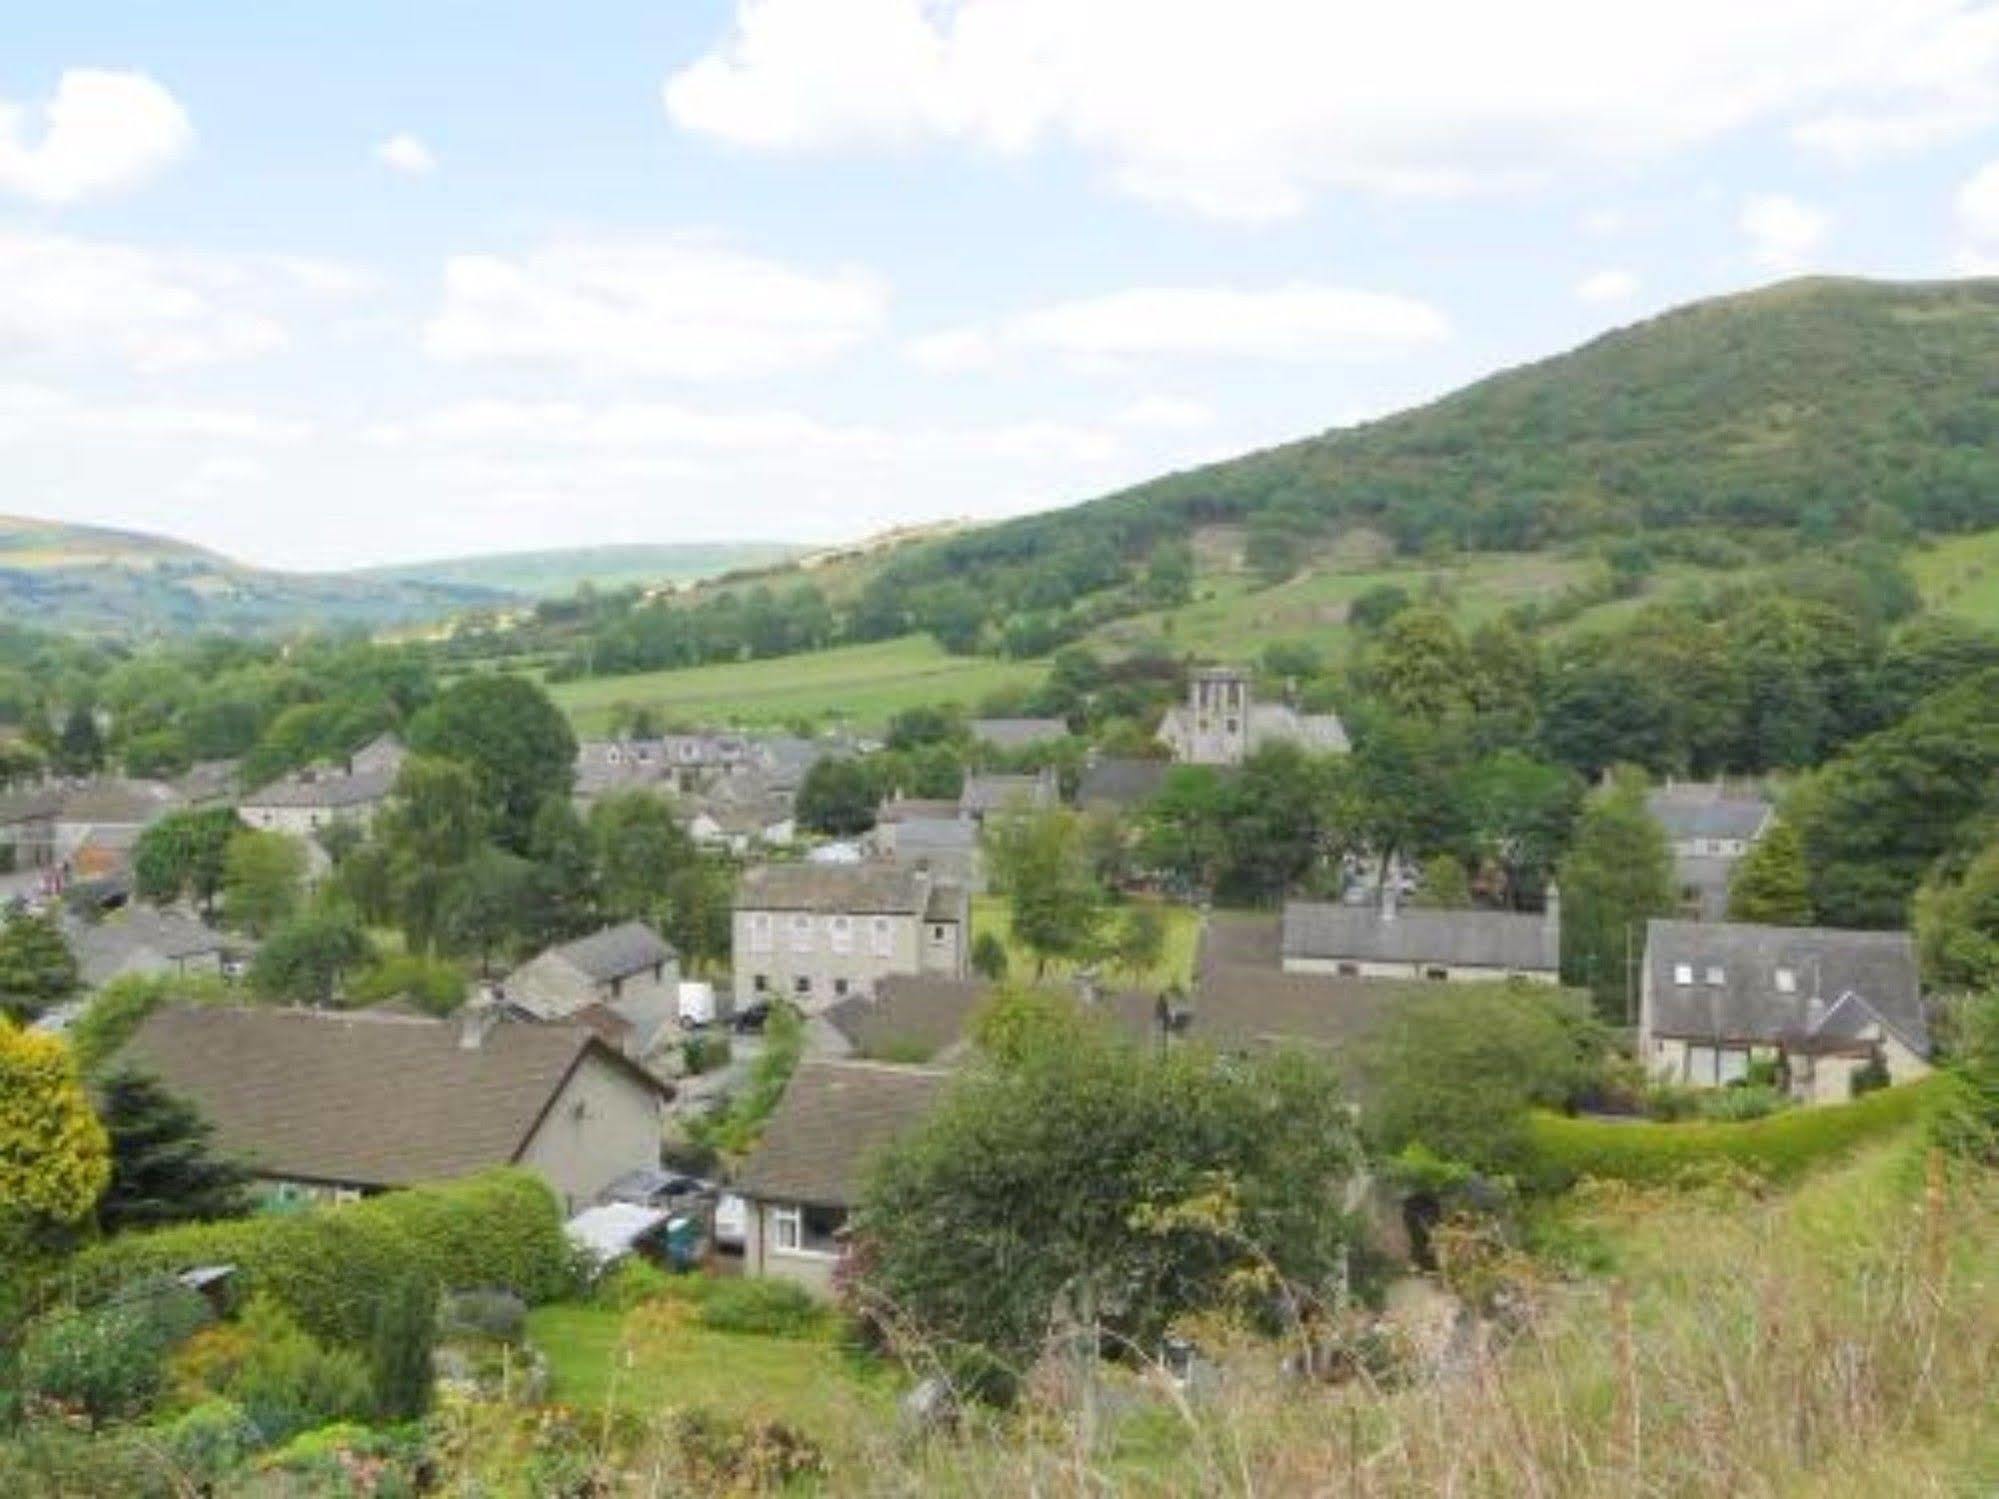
[(989, 748)]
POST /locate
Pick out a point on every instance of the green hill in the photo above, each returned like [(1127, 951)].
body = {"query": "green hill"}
[(1816, 408)]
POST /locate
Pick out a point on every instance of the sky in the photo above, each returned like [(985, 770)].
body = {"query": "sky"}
[(327, 286)]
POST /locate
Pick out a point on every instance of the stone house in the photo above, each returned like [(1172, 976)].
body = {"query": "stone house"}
[(984, 795), (623, 964), (816, 933), (1385, 942), (1011, 735), (1221, 723), (341, 1104), (1822, 1003), (804, 1179), (1709, 827), (319, 796)]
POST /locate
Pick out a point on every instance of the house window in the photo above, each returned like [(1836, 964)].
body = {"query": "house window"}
[(807, 1230), (1683, 973), (1715, 977), (937, 934), (1716, 1066), (1434, 973), (843, 933), (760, 932), (884, 938), (840, 988), (802, 985), (1787, 981), (801, 933), (761, 983), (1348, 970)]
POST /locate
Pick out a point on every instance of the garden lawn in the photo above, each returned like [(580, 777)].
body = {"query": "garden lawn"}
[(810, 1383), (1176, 960), (860, 685)]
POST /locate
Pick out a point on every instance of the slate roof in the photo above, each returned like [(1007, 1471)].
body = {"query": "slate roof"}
[(833, 1117), (1240, 1008), (1121, 783), (867, 889), (104, 948), (1484, 939), (362, 1099), (996, 793), (1689, 812), (35, 804), (916, 1010), (1827, 964), (113, 800), (902, 809), (616, 952), (936, 834), (327, 790), (1018, 733)]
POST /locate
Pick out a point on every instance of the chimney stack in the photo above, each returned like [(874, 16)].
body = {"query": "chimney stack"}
[(476, 1021)]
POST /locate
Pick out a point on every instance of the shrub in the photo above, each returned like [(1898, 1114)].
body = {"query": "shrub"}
[(400, 1352), (773, 1308), (327, 1266), (704, 1053), (1749, 1101), (498, 1315), (288, 1382), (212, 1438), (1777, 1148), (110, 1360), (631, 1282), (436, 986)]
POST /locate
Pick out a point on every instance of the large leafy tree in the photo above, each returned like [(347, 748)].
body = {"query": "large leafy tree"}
[(36, 966), (1521, 812), (1618, 875), (263, 879), (640, 847), (306, 959), (163, 1165), (1957, 927), (487, 905), (1039, 863), (1771, 884), (514, 739), (433, 825), (184, 854), (1088, 1181), (838, 797), (1421, 666)]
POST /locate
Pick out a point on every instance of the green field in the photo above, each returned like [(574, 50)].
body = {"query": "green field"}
[(861, 685), (1960, 576), (1176, 962)]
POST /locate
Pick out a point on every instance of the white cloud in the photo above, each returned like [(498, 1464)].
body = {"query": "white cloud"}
[(73, 297), (678, 307), (1607, 286), (1940, 86), (43, 412), (1978, 205), (1168, 413), (1783, 233), (1298, 322), (952, 351), (102, 132), (1248, 110), (404, 153)]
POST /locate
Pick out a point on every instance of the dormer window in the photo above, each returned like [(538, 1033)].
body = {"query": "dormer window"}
[(1787, 981), (1683, 973), (1715, 977)]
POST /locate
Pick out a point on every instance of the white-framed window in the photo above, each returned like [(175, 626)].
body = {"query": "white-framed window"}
[(1716, 1066), (842, 932), (1683, 973), (1787, 981), (761, 932), (801, 933), (787, 1229), (883, 936), (1715, 976)]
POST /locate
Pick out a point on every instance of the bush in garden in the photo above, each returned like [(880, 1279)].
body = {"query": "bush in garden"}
[(498, 1315), (501, 1229), (212, 1438), (110, 1360), (287, 1382), (400, 1353), (773, 1308)]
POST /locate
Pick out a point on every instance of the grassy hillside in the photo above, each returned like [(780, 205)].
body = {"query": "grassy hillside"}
[(860, 684), (1960, 576), (549, 574), (96, 580)]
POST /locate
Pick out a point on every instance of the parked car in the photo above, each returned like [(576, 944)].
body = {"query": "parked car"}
[(750, 1020)]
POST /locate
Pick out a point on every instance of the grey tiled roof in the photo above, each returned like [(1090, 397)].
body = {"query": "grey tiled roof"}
[(1123, 783), (616, 952), (833, 1118), (104, 948), (328, 789), (1826, 964), (1485, 939), (362, 1098), (853, 888), (919, 1010), (995, 793), (912, 808), (1688, 812)]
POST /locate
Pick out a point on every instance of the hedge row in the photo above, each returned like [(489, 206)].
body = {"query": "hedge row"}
[(1777, 1147), (327, 1265)]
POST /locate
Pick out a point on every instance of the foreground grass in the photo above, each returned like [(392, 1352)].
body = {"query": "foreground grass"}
[(1176, 958), (859, 685)]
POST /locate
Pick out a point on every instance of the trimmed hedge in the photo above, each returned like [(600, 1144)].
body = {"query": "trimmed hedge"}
[(328, 1265), (1777, 1147)]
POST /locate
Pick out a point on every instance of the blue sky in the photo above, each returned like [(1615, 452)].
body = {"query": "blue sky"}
[(323, 287)]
